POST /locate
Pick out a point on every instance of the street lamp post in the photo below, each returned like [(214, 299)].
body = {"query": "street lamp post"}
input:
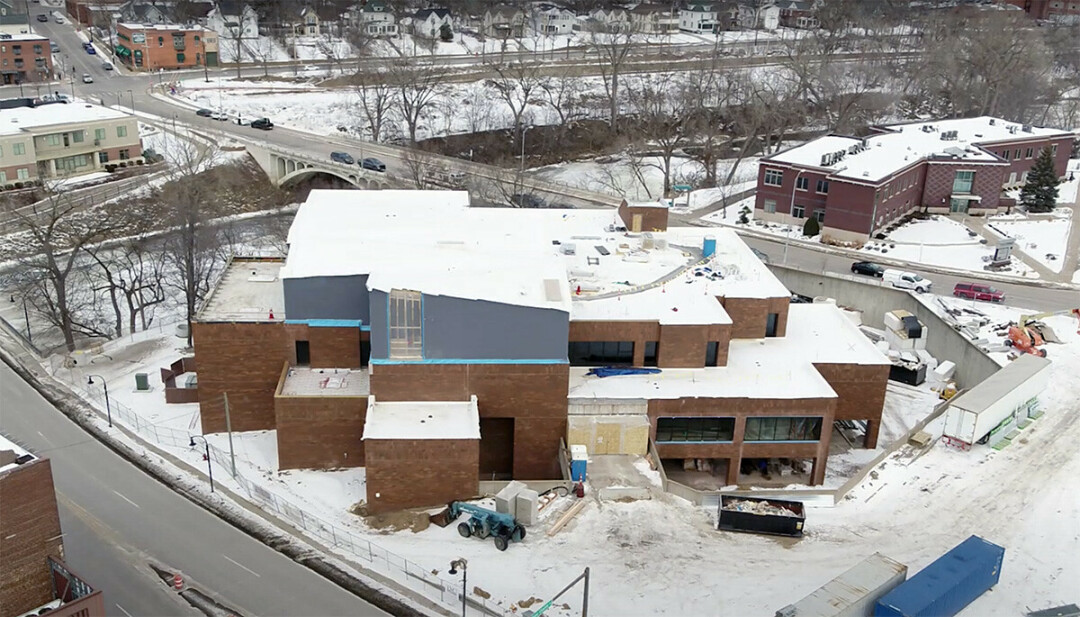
[(791, 212), (461, 564), (209, 466), (523, 133), (108, 405), (132, 97)]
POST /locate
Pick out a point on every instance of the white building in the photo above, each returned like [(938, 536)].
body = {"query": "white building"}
[(377, 19), (654, 18), (504, 22), (610, 20), (759, 14), (428, 23), (698, 18), (234, 20), (551, 20)]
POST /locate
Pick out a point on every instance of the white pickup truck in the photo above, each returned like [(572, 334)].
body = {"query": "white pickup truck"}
[(906, 280)]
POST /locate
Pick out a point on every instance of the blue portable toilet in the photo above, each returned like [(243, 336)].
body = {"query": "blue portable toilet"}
[(708, 249), (579, 461)]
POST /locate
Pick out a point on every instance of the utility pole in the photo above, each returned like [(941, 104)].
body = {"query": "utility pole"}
[(584, 603), (228, 427)]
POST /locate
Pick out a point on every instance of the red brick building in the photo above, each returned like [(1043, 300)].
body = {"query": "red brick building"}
[(1061, 11), (438, 345), (25, 58), (165, 46), (856, 186), (33, 574)]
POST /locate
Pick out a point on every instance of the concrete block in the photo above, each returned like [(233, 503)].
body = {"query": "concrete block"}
[(504, 499), (527, 504)]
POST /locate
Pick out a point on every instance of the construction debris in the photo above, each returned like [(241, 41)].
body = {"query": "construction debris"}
[(757, 507)]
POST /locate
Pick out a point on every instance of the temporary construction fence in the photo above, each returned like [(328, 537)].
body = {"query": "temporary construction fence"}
[(390, 566)]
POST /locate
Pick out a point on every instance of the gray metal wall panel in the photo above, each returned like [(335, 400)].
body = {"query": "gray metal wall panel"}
[(378, 304), (327, 297), (455, 328)]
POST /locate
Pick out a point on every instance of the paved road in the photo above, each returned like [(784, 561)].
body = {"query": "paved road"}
[(121, 517)]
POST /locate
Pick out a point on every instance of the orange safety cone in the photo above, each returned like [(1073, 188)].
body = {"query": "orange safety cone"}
[(178, 582), (271, 313)]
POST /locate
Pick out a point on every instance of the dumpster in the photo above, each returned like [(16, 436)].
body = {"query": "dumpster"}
[(769, 516)]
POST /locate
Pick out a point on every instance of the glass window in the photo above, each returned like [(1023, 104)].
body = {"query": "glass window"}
[(712, 350), (19, 149), (1, 151), (77, 136), (1029, 153), (23, 173), (3, 177), (651, 349), (125, 154), (782, 429), (121, 131), (822, 186), (406, 324), (819, 214), (596, 353), (99, 134), (103, 157), (1005, 155), (699, 430), (798, 212), (1016, 155), (803, 184), (963, 182), (774, 177), (1053, 150), (770, 205)]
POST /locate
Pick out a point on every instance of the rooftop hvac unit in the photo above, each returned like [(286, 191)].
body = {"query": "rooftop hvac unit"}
[(993, 122), (1027, 128), (825, 160)]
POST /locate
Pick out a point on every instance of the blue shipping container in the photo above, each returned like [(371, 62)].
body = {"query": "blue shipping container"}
[(945, 587)]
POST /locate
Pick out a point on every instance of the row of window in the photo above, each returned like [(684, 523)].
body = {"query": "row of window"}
[(797, 211), (895, 187), (66, 139), (22, 173), (17, 149), (17, 49), (803, 184), (722, 430)]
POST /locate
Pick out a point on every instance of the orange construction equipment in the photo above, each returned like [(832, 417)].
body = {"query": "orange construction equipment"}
[(1028, 339)]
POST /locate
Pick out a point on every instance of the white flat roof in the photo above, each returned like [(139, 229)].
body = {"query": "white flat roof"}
[(821, 333), (304, 381), (141, 27), (741, 378), (422, 420), (888, 153), (20, 119), (7, 444), (247, 291), (24, 37), (433, 242)]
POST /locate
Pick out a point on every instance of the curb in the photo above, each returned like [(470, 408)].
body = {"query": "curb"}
[(291, 547)]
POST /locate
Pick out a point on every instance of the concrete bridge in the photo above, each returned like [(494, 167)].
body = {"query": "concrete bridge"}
[(284, 168)]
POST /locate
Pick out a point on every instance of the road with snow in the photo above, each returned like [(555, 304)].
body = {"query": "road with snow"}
[(117, 520)]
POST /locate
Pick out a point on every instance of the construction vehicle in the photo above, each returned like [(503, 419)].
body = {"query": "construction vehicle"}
[(483, 523), (1028, 336)]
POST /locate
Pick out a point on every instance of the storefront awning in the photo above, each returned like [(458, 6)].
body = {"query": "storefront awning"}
[(122, 51)]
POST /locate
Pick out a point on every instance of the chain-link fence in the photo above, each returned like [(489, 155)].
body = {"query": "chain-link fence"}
[(396, 568)]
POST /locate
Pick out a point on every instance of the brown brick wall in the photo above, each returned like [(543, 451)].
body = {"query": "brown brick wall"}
[(652, 219), (861, 392), (749, 316), (334, 347), (740, 409), (320, 432), (536, 392), (639, 332), (29, 533), (406, 473), (244, 359), (682, 346)]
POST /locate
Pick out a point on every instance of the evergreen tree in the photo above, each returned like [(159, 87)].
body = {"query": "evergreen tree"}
[(1040, 193), (446, 33), (811, 227)]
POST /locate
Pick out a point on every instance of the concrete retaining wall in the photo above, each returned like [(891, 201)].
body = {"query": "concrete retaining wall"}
[(973, 365)]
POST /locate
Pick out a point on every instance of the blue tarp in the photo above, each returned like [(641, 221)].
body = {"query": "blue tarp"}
[(612, 371)]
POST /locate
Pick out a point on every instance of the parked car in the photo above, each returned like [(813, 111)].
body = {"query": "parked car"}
[(106, 66), (342, 157), (220, 116), (868, 268), (53, 47), (59, 19), (87, 78), (906, 280), (43, 17), (373, 164), (205, 113), (262, 123), (978, 291), (90, 49)]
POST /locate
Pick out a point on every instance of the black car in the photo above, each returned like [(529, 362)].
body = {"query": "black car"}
[(869, 268), (525, 200), (342, 157), (373, 164), (262, 123), (42, 17), (205, 113)]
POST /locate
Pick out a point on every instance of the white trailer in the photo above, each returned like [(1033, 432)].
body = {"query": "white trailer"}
[(853, 593), (1002, 400)]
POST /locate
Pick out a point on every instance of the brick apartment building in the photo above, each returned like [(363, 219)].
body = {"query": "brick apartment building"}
[(93, 12), (856, 186), (439, 344), (53, 139), (33, 575), (25, 58), (1060, 11), (165, 46)]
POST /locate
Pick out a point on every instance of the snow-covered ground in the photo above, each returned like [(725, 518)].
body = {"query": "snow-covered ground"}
[(664, 557), (1042, 237)]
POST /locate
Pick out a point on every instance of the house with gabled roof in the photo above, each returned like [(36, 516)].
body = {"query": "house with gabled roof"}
[(428, 23)]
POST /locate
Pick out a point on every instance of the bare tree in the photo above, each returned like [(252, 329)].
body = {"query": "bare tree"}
[(133, 271), (659, 107), (263, 51), (612, 47), (417, 87), (516, 84), (376, 97), (564, 93), (236, 33)]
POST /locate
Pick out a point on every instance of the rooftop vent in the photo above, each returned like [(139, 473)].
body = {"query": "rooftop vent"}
[(993, 122), (1027, 128)]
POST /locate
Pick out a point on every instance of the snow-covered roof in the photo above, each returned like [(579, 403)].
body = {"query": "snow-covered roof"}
[(432, 242), (992, 390), (151, 27), (19, 119), (422, 420), (878, 156), (249, 290), (821, 333), (304, 381), (17, 451), (24, 37)]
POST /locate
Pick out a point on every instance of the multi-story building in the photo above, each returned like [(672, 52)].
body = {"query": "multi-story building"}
[(503, 22), (438, 344), (48, 140), (163, 46), (377, 19), (551, 20), (654, 18), (855, 186), (25, 58), (428, 23), (698, 18), (797, 14), (1061, 11), (34, 577)]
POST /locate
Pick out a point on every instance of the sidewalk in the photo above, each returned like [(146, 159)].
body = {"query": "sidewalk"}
[(978, 225)]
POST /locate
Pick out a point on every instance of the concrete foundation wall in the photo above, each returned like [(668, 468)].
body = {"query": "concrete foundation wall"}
[(972, 364)]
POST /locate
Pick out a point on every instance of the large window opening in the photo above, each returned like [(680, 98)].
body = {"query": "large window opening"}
[(303, 353), (770, 324), (712, 351), (406, 325), (594, 353), (695, 430), (783, 429), (963, 182), (651, 350)]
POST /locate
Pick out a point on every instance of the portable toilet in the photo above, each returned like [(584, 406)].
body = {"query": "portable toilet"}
[(708, 248), (579, 460)]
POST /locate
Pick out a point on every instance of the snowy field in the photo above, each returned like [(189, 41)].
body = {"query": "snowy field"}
[(942, 241), (664, 557), (1042, 237)]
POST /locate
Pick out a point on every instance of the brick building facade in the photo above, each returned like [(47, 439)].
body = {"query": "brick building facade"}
[(461, 305), (25, 58), (856, 186), (1061, 11), (165, 46)]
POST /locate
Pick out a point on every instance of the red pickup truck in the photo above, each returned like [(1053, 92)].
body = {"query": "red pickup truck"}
[(977, 291)]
